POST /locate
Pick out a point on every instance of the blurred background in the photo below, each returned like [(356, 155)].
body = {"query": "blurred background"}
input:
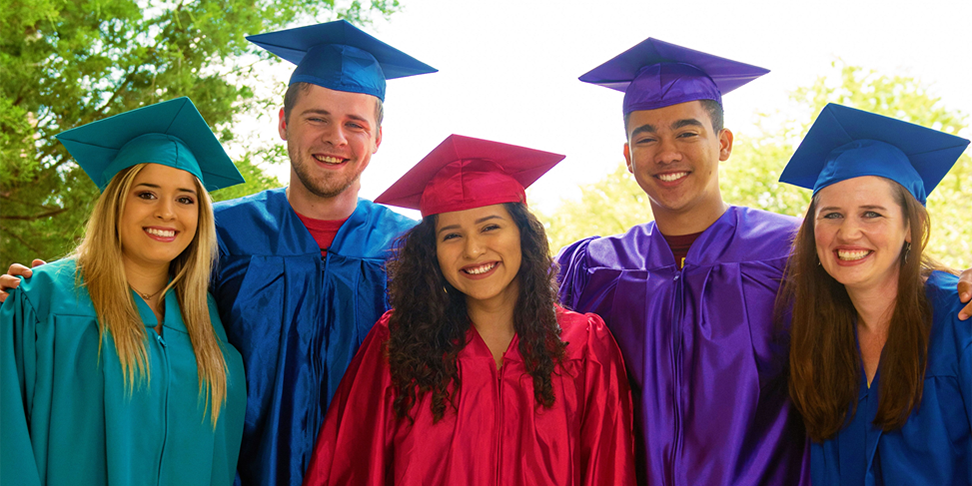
[(508, 72)]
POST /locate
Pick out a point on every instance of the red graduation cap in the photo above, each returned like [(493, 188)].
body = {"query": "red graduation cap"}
[(465, 173)]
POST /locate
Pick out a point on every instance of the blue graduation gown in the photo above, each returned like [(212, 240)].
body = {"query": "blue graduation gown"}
[(297, 318), (704, 356), (67, 416), (934, 447)]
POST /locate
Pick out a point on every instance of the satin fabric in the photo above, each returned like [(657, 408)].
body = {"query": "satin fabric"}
[(68, 417), (934, 447), (297, 318), (499, 435), (705, 359)]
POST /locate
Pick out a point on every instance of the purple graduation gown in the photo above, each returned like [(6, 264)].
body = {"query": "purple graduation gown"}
[(706, 362)]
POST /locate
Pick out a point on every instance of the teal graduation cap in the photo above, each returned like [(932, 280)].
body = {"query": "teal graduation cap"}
[(339, 56), (845, 143), (654, 74), (171, 133)]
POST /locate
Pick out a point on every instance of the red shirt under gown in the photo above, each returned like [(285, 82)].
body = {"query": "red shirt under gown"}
[(499, 435)]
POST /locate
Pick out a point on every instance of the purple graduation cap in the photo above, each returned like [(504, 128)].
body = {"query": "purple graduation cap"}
[(845, 143), (340, 56), (655, 74)]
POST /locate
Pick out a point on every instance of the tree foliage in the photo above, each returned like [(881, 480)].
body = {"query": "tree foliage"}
[(67, 63), (749, 177)]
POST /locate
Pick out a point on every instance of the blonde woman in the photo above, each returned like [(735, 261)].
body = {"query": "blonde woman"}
[(114, 364)]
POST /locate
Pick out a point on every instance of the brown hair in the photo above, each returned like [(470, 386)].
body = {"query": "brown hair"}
[(429, 324), (296, 90), (825, 364)]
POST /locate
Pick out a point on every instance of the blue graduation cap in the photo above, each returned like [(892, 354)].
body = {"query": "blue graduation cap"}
[(845, 143), (339, 56), (655, 74), (171, 133)]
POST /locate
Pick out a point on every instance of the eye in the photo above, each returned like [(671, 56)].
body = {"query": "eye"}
[(687, 134), (490, 227), (147, 195), (872, 214), (187, 200), (832, 216), (450, 236), (644, 141)]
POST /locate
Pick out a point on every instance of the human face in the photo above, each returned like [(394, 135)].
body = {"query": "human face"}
[(159, 217), (860, 231), (674, 155), (330, 138), (479, 254)]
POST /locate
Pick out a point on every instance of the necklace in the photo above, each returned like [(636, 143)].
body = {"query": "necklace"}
[(145, 297)]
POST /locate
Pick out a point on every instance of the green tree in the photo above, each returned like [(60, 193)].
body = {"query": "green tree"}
[(66, 63), (749, 177)]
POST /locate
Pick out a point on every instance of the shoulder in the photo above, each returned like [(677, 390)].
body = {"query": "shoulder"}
[(370, 231), (253, 202), (53, 288), (763, 232), (586, 335), (942, 291), (627, 250)]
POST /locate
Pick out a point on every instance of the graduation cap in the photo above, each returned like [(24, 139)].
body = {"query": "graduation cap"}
[(465, 173), (340, 56), (845, 143), (171, 133), (655, 74)]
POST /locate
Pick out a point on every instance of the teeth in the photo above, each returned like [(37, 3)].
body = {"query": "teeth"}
[(328, 159), (480, 269), (673, 176), (162, 233), (847, 255)]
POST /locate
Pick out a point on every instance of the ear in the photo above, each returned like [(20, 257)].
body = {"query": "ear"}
[(282, 125), (725, 144), (627, 158), (377, 141)]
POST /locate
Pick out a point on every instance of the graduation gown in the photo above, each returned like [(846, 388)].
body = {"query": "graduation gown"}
[(934, 447), (499, 435), (297, 318), (705, 359), (67, 415)]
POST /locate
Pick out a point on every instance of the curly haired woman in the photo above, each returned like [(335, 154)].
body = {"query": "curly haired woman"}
[(477, 376)]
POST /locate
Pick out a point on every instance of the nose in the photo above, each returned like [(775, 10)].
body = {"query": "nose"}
[(849, 230), (668, 151), (334, 135), (165, 210), (473, 248)]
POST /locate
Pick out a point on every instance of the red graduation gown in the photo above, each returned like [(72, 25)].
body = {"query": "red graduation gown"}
[(499, 435)]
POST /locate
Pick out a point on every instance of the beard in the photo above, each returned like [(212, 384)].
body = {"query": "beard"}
[(324, 184)]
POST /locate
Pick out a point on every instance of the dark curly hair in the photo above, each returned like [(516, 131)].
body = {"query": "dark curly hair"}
[(429, 323)]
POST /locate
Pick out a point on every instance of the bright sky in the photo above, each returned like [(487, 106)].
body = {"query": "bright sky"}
[(508, 69)]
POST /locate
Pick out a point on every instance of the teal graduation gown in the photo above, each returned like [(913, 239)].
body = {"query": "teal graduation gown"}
[(67, 416), (934, 447)]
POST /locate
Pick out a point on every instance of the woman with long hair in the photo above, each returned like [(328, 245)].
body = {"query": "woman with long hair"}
[(880, 364), (477, 376), (115, 366)]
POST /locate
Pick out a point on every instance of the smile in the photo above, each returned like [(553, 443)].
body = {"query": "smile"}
[(672, 176), (327, 159), (852, 255), (480, 269), (162, 233)]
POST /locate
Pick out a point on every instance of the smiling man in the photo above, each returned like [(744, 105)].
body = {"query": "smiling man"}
[(301, 278)]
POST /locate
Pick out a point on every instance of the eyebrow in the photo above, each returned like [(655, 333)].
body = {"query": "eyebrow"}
[(156, 186), (866, 206), (321, 111), (478, 221), (649, 128)]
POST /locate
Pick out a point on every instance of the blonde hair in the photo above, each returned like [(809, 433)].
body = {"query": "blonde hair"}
[(97, 259)]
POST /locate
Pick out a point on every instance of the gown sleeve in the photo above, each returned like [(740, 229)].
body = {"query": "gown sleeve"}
[(607, 434), (352, 446), (17, 364), (965, 377)]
